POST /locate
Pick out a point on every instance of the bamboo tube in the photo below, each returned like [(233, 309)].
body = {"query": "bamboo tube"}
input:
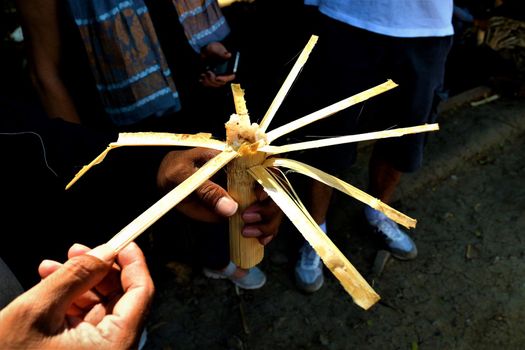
[(244, 252)]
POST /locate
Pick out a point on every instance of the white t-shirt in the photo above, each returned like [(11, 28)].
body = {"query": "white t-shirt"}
[(398, 18)]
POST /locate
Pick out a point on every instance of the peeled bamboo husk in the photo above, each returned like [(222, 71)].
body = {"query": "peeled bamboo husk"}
[(362, 293), (245, 252), (152, 139), (342, 186)]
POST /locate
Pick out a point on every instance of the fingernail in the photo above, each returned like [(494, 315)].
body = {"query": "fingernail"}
[(103, 252), (78, 246), (226, 206), (251, 218), (251, 232)]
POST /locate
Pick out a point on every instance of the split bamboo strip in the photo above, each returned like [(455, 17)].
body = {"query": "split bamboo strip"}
[(238, 99), (361, 292), (283, 91), (85, 168), (245, 252), (168, 139), (166, 203), (349, 139), (152, 139), (328, 111), (342, 186), (226, 3)]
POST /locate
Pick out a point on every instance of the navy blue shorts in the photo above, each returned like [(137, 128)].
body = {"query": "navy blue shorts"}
[(348, 60)]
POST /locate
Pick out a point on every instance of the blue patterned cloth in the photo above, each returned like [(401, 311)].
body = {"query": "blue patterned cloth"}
[(124, 53), (202, 21)]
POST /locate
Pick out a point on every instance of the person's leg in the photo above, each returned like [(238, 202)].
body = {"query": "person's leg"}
[(383, 178), (419, 70), (333, 78), (309, 268), (383, 181), (320, 197)]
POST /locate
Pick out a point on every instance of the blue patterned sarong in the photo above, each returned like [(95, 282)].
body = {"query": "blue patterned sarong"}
[(124, 53), (202, 21)]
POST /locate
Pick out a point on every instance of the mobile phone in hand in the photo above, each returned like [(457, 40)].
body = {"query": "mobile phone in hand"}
[(227, 67)]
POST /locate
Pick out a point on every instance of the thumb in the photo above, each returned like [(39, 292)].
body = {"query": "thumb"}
[(216, 197), (54, 295)]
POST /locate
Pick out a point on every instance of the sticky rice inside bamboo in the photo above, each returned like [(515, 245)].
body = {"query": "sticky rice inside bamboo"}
[(239, 131)]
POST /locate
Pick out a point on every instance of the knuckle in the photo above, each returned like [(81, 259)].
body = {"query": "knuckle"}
[(210, 193)]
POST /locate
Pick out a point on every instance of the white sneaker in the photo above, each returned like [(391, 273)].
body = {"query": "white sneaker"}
[(309, 270), (254, 279)]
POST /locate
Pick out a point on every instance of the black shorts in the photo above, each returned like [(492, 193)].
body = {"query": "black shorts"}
[(348, 60)]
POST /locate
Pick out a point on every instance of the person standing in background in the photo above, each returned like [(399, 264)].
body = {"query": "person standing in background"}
[(362, 44)]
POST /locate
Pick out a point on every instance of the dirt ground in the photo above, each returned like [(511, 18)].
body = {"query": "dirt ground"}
[(466, 289)]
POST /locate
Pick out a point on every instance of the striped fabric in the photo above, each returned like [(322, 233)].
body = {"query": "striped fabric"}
[(202, 20), (125, 56)]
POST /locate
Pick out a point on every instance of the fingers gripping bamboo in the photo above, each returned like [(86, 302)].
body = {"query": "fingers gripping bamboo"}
[(166, 203)]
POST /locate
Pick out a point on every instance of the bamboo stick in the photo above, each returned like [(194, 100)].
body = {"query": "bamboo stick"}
[(361, 292), (349, 139), (152, 139), (330, 110), (85, 168), (166, 203), (296, 69), (168, 139)]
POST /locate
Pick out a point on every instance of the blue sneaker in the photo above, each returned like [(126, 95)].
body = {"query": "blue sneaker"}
[(309, 270), (396, 240)]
